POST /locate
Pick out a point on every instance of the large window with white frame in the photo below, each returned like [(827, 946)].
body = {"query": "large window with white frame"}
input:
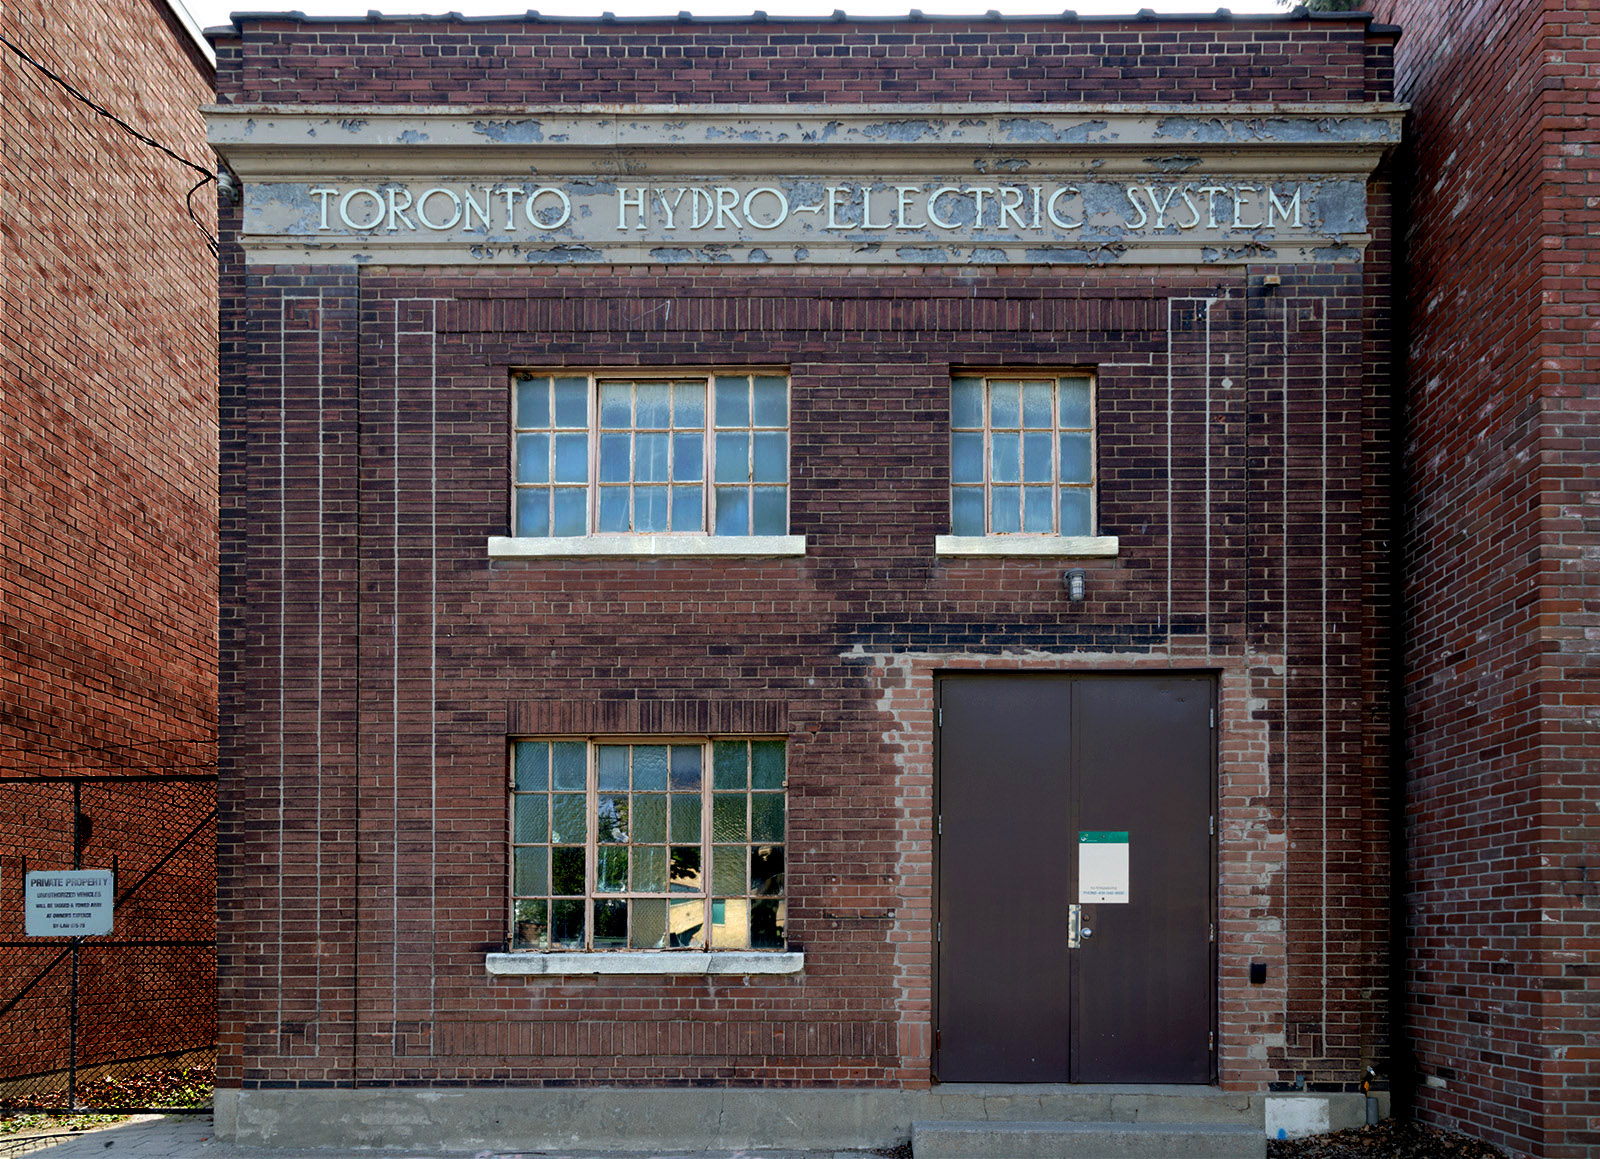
[(650, 844), (1022, 456), (664, 453)]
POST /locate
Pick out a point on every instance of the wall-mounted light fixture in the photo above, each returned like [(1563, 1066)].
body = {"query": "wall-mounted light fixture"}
[(1076, 582)]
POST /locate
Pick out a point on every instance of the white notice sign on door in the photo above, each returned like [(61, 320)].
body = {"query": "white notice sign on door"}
[(1103, 866), (68, 903)]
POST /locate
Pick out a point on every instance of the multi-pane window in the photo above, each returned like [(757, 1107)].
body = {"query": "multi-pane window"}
[(1022, 454), (685, 454), (671, 844)]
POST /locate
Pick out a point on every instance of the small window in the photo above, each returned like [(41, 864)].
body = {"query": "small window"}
[(1022, 455), (676, 455), (658, 845)]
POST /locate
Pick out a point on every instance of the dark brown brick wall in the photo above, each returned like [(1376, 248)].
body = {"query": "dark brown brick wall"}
[(1243, 456), (1503, 768), (108, 592)]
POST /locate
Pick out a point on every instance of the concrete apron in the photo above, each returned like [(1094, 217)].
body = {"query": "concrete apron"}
[(688, 1119)]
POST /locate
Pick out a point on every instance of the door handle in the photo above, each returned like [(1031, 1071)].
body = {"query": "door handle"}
[(1074, 926)]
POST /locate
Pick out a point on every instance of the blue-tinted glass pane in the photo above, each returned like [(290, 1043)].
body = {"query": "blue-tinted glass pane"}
[(687, 452), (1075, 458), (728, 820), (686, 817), (650, 458), (733, 402), (533, 511), (733, 511), (610, 875), (966, 457), (689, 405), (532, 765), (766, 764), (1005, 466), (611, 818), (611, 923), (533, 402), (567, 821), (572, 512), (1005, 509), (1074, 402), (730, 764), (615, 405), (1036, 509), (966, 403), (1075, 512), (771, 408), (1036, 404), (572, 458), (566, 924), (686, 761), (650, 873), (567, 871), (1004, 404), (653, 400), (766, 816), (613, 459), (531, 874), (611, 766), (649, 509), (966, 511), (688, 509), (1036, 457), (650, 766), (770, 516), (531, 820), (733, 458), (533, 458), (613, 510), (567, 759), (649, 815), (771, 457), (572, 402)]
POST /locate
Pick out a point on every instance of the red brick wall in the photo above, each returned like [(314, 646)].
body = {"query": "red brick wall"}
[(108, 596), (365, 464), (107, 342), (1501, 464)]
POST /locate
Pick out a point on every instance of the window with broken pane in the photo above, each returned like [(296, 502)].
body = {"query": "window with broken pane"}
[(648, 844), (595, 454), (1022, 454)]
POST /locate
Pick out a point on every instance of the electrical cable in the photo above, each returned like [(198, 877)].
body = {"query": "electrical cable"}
[(84, 99)]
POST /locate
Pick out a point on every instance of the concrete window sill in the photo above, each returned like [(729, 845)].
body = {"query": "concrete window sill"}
[(581, 546), (1065, 546), (655, 962)]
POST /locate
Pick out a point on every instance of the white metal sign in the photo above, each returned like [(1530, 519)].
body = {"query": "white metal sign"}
[(68, 903), (1103, 866)]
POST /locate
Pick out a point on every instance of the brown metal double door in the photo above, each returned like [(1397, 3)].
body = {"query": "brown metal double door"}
[(1030, 769)]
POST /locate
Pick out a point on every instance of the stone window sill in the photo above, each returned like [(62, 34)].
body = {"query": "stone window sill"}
[(651, 962), (1080, 546), (580, 546)]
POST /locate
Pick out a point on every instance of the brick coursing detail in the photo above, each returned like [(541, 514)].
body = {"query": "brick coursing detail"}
[(1503, 769)]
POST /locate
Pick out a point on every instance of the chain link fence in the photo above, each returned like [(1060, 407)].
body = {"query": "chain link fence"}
[(126, 1020)]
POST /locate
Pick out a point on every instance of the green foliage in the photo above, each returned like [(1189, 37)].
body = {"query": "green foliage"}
[(178, 1087), (1326, 5)]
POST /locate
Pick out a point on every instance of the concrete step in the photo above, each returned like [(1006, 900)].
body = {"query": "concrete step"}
[(988, 1139)]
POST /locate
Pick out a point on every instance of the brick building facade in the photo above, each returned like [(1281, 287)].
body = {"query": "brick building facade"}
[(108, 593), (1499, 652), (625, 407)]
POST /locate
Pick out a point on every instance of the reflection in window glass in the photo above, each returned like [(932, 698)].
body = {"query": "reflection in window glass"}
[(1021, 455), (670, 845), (677, 455)]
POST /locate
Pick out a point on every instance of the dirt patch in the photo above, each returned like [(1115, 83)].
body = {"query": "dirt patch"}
[(1389, 1139)]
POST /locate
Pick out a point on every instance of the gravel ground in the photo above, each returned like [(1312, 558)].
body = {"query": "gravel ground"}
[(1389, 1139)]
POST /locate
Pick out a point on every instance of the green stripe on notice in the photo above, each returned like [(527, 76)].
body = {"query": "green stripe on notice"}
[(1102, 837)]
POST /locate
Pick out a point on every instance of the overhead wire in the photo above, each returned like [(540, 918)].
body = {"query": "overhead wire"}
[(83, 98)]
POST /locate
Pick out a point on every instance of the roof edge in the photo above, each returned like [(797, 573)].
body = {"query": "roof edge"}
[(192, 28)]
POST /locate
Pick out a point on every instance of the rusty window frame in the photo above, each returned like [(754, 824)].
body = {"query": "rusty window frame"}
[(595, 381), (1055, 378), (706, 895)]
